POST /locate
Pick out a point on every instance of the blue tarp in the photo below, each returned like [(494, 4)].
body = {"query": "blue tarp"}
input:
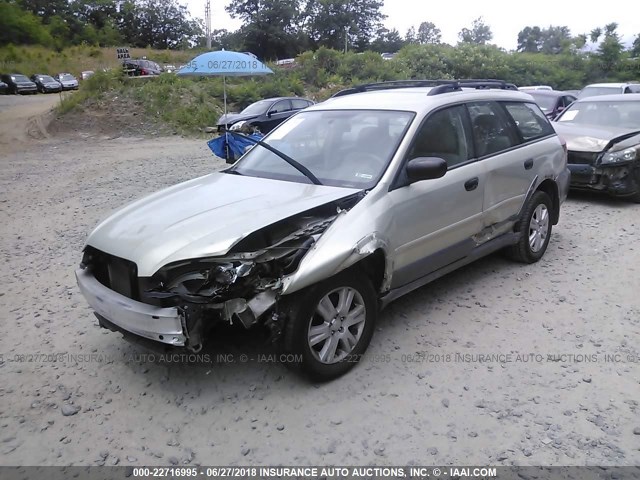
[(231, 147)]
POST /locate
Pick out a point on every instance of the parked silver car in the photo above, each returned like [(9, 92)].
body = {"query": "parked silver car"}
[(603, 140), (343, 208)]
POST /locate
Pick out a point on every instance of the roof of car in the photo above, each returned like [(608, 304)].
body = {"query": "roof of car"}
[(618, 97), (549, 93), (414, 99), (612, 85)]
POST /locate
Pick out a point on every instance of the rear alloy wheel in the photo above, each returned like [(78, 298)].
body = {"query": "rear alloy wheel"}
[(330, 325), (535, 228)]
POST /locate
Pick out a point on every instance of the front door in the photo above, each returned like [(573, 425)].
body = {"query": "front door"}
[(434, 220)]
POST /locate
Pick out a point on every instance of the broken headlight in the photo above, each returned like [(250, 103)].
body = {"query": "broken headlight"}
[(621, 156), (198, 279)]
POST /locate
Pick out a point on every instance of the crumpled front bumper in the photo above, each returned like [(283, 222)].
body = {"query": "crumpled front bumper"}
[(617, 180), (155, 323)]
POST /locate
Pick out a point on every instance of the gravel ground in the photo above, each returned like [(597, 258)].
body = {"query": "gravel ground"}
[(73, 394)]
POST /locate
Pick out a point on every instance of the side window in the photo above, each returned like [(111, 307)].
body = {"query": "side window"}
[(492, 131), (299, 104), (281, 106), (530, 120), (443, 135)]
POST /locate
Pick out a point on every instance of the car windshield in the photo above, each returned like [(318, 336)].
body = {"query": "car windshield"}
[(20, 78), (258, 107), (606, 114), (342, 148), (45, 78), (545, 102), (67, 77), (595, 91)]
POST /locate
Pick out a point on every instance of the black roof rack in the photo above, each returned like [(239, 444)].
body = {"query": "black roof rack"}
[(439, 86)]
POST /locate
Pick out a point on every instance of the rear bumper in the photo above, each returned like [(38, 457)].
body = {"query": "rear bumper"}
[(616, 180), (163, 325)]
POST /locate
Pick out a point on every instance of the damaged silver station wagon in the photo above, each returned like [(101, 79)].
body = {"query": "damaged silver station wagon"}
[(343, 208)]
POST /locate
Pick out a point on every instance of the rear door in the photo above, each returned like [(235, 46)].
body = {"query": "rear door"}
[(434, 220), (513, 154)]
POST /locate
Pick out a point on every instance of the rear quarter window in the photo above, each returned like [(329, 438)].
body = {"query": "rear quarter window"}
[(529, 119)]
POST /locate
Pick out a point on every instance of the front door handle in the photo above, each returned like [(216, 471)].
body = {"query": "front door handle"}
[(528, 164), (471, 184)]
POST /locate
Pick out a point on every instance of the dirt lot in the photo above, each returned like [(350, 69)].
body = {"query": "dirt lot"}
[(73, 394)]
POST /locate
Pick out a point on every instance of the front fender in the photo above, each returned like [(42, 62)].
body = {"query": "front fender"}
[(338, 249)]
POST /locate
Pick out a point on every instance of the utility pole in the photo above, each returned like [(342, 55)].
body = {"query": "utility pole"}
[(346, 39), (207, 22)]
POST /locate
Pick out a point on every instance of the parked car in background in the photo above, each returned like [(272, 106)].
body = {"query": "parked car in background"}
[(388, 56), (68, 81), (4, 88), (86, 74), (574, 93), (169, 68), (138, 68), (46, 83), (551, 102), (608, 89), (18, 83), (535, 87), (381, 190), (603, 140), (264, 115)]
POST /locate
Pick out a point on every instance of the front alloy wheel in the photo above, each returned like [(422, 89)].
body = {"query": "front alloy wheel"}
[(330, 324), (337, 325)]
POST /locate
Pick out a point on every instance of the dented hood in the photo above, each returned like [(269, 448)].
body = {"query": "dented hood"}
[(203, 217), (588, 138)]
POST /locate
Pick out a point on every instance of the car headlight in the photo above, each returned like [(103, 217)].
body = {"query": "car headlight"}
[(238, 125), (621, 156)]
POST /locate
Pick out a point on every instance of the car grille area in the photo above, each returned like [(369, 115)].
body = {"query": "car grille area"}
[(584, 158), (113, 272)]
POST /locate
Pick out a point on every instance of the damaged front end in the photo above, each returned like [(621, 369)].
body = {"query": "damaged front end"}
[(242, 286), (614, 170)]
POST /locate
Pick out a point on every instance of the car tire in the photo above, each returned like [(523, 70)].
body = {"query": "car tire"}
[(535, 226), (333, 349)]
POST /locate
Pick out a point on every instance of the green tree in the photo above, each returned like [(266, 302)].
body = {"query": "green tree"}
[(18, 26), (556, 40), (635, 48), (270, 27), (595, 35), (328, 21), (428, 33), (410, 36), (530, 40), (387, 41), (610, 50), (480, 33)]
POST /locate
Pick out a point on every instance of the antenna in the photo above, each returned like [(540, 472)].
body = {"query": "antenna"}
[(207, 22)]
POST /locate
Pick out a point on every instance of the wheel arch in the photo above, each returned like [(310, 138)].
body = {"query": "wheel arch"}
[(550, 187)]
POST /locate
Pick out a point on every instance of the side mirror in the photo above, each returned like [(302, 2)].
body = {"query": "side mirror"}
[(269, 114), (425, 168)]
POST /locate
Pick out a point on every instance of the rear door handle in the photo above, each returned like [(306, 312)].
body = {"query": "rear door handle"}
[(528, 164), (471, 184)]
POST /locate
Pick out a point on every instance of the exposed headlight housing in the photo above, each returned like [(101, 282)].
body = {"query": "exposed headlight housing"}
[(621, 156), (238, 125)]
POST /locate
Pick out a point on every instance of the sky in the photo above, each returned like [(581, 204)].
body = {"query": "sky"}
[(506, 19)]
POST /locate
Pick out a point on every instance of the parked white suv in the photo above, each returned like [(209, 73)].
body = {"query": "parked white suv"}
[(343, 208)]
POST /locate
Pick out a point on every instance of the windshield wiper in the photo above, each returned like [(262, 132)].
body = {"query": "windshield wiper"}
[(298, 166)]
